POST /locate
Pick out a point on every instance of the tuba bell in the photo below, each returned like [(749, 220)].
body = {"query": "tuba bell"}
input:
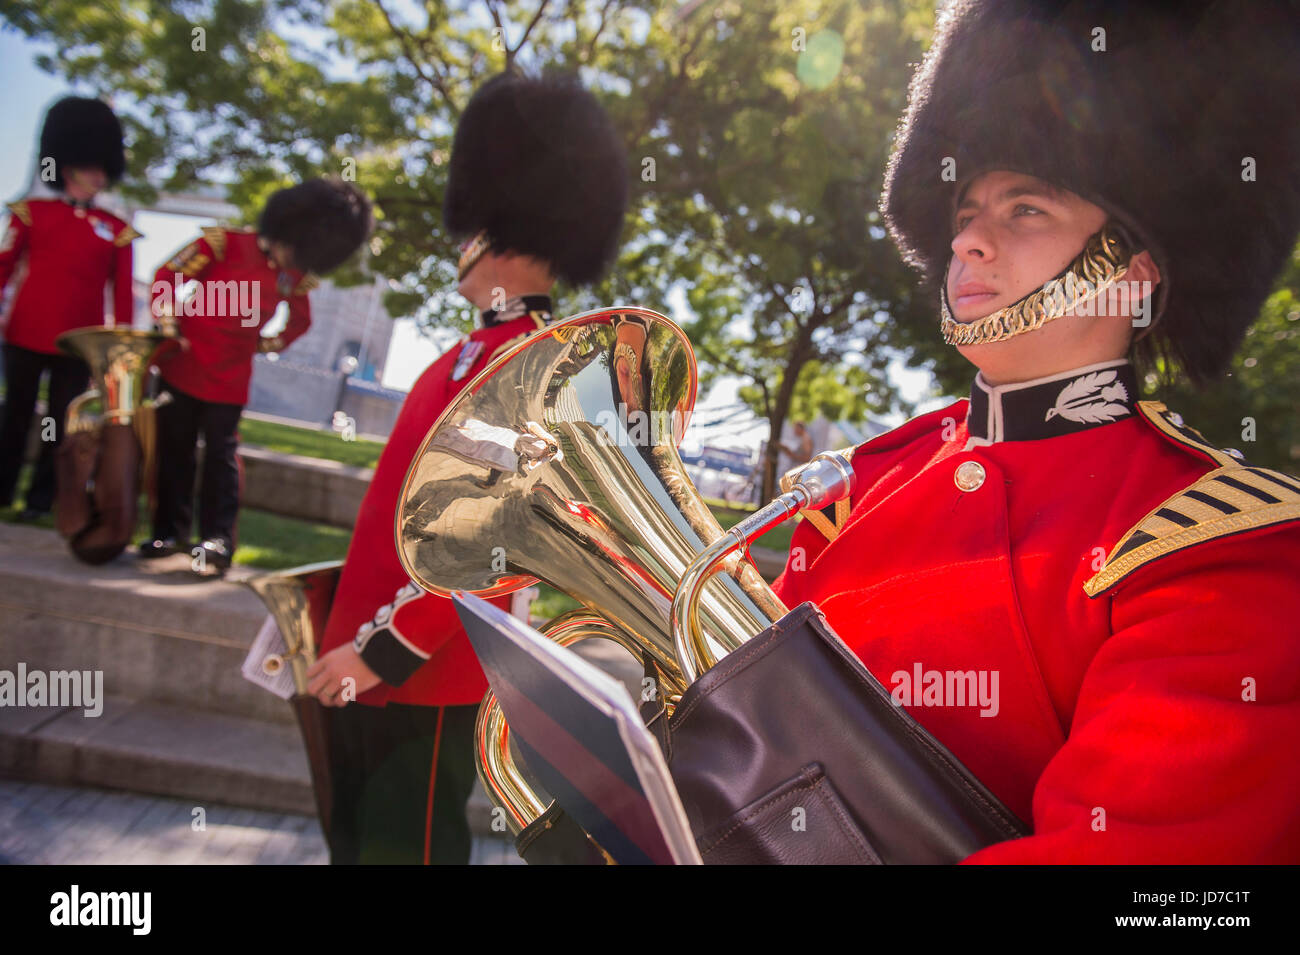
[(299, 602), (108, 452), (559, 463)]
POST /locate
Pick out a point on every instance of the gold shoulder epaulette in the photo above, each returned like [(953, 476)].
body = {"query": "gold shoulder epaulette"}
[(1232, 499), (216, 237), (126, 236), (307, 283), (830, 519), (510, 343), (189, 261), (21, 211)]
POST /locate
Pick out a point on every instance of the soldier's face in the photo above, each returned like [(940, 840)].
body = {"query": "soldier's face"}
[(84, 182), (281, 254), (1011, 235)]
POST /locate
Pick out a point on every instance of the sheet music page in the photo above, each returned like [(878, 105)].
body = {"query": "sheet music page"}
[(268, 642), (611, 697)]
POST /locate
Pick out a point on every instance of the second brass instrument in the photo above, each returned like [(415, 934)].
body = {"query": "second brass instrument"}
[(107, 456)]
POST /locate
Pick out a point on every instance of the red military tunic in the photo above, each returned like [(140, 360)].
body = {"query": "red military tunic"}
[(411, 638), (64, 254), (1149, 722), (238, 292)]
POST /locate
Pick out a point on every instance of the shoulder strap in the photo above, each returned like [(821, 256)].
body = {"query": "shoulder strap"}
[(21, 211), (1232, 499), (126, 237), (216, 237)]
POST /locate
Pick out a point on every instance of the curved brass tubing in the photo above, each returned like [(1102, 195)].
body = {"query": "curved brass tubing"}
[(500, 774)]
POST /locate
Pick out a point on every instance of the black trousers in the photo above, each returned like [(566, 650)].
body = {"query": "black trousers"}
[(69, 377), (179, 424), (402, 777)]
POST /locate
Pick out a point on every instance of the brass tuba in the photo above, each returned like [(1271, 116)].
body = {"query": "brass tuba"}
[(299, 601), (108, 450), (559, 463)]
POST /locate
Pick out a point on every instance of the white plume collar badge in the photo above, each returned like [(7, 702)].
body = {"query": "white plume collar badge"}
[(1053, 406)]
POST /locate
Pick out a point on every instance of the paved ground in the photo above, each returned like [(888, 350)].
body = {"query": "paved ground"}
[(43, 824)]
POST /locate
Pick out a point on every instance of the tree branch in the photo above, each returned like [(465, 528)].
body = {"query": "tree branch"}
[(529, 29), (405, 40)]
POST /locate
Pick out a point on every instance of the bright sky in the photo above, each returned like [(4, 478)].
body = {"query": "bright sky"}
[(30, 92)]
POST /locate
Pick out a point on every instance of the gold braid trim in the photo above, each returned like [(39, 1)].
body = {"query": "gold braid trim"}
[(216, 237), (189, 261), (1231, 499), (1102, 263), (126, 237), (22, 212), (830, 529)]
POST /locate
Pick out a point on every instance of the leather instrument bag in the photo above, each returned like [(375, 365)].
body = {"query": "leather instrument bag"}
[(790, 751)]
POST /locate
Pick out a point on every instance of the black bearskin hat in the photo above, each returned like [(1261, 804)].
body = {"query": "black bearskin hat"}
[(537, 163), (322, 220), (1185, 129), (82, 132)]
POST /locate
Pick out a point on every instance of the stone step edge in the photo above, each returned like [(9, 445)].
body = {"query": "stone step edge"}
[(33, 757)]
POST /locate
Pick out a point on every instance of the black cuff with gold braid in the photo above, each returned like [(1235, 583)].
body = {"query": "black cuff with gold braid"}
[(270, 343)]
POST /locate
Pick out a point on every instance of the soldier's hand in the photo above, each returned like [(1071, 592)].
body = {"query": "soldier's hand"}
[(325, 677)]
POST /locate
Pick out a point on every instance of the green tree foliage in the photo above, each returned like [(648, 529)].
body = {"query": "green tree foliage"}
[(757, 133), (1255, 408)]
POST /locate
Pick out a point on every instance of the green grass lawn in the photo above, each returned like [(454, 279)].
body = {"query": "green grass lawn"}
[(306, 441), (266, 541)]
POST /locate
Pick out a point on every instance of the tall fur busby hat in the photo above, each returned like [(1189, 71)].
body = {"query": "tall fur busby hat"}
[(322, 220), (83, 132), (538, 165), (1180, 119)]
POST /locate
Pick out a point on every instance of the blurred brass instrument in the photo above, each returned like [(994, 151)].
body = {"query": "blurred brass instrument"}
[(299, 602), (108, 451), (559, 463)]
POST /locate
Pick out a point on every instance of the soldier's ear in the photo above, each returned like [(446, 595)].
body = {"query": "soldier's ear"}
[(1142, 268)]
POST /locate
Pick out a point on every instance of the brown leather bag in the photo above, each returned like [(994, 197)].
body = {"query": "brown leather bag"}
[(790, 751)]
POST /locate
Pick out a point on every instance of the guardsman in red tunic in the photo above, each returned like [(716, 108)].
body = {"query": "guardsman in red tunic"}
[(242, 275), (57, 256), (537, 187), (1094, 608)]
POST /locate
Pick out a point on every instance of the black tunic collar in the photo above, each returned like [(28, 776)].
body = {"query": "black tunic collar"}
[(1072, 401), (539, 306)]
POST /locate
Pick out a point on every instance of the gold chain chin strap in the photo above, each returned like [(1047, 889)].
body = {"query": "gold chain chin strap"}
[(469, 258), (1102, 263)]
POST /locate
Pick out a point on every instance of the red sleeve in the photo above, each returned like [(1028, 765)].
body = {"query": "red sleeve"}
[(299, 320), (190, 263), (12, 247), (123, 292), (1181, 749), (406, 633)]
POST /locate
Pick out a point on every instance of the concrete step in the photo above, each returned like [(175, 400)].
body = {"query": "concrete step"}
[(293, 485), (157, 631), (147, 747)]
